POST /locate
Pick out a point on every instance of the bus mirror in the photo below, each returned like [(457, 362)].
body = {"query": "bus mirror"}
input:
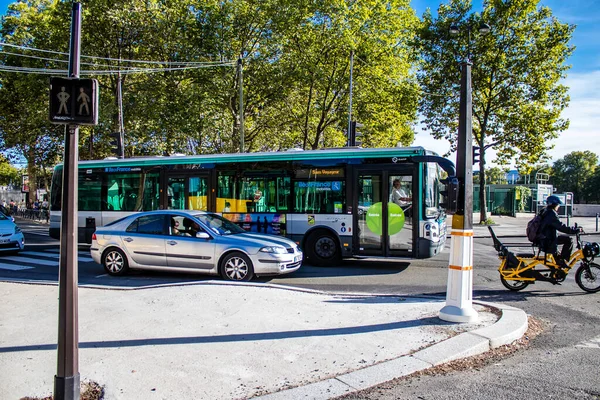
[(450, 202)]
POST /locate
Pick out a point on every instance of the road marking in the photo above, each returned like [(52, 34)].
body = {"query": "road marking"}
[(40, 253), (14, 267), (32, 261), (591, 344), (80, 256)]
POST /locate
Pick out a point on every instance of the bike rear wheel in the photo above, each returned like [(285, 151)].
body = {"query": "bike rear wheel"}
[(514, 285), (588, 277)]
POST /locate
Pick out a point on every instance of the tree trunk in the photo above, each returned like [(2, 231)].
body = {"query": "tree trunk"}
[(31, 172), (482, 181)]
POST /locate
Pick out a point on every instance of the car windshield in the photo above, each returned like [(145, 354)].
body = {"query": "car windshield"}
[(219, 225)]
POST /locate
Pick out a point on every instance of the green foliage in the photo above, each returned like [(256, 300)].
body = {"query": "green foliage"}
[(522, 193), (9, 175), (516, 77), (296, 70), (573, 172)]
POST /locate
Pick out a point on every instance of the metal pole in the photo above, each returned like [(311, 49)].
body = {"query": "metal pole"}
[(459, 293), (349, 141), (121, 126), (241, 107), (66, 380), (597, 215)]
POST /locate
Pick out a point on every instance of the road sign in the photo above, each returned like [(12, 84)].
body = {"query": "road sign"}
[(74, 101)]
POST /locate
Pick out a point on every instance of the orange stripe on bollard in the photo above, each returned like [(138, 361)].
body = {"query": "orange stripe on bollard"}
[(459, 233), (459, 268)]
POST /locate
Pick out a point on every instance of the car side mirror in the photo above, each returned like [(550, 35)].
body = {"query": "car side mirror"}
[(202, 235)]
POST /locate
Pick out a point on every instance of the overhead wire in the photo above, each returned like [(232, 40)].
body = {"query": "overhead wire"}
[(120, 60)]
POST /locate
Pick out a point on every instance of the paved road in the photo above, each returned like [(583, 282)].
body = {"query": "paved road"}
[(562, 363)]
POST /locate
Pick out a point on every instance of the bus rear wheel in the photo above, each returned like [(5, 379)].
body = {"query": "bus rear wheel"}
[(322, 249)]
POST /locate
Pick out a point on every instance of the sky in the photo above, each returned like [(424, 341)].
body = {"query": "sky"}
[(583, 78)]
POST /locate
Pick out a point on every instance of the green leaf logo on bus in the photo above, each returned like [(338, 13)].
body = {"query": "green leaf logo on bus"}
[(395, 219)]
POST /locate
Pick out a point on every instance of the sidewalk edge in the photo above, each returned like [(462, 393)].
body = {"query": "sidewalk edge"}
[(510, 327)]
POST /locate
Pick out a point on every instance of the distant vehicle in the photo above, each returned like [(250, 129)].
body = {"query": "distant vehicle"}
[(191, 241), (11, 237)]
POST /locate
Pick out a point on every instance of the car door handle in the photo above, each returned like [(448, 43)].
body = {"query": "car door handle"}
[(171, 242), (128, 239)]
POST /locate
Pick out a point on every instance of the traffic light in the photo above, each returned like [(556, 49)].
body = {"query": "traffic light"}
[(450, 202), (476, 154), (116, 142), (355, 137)]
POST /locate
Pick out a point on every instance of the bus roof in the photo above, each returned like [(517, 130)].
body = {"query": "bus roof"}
[(290, 155)]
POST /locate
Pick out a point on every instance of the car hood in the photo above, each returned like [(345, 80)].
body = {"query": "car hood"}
[(266, 240), (7, 226)]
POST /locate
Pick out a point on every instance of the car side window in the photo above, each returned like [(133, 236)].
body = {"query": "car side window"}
[(148, 224)]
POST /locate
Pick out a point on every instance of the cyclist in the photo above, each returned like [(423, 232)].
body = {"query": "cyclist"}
[(548, 228)]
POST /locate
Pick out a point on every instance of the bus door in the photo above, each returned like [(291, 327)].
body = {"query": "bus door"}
[(186, 192), (383, 212)]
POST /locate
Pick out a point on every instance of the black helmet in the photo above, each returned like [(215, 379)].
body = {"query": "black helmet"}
[(553, 199), (591, 250)]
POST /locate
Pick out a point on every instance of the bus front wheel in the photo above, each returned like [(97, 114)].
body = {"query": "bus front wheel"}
[(322, 249)]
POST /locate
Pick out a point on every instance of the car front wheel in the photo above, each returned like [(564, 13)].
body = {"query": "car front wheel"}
[(115, 262), (237, 267)]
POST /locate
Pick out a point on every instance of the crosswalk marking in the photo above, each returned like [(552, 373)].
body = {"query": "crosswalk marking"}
[(31, 259), (80, 256), (41, 253), (13, 267), (590, 344)]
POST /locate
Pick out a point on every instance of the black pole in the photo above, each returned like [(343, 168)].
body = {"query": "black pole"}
[(464, 151), (66, 380)]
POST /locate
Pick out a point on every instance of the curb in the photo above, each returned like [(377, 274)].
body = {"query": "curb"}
[(510, 327)]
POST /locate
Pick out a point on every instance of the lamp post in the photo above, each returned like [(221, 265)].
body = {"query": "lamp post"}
[(459, 291)]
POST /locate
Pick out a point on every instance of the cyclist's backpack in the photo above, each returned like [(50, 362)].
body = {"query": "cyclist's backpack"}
[(533, 228)]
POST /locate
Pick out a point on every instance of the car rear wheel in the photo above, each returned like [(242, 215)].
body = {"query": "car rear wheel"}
[(237, 267), (115, 262)]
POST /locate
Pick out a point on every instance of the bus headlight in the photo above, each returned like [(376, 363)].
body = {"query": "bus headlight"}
[(432, 212)]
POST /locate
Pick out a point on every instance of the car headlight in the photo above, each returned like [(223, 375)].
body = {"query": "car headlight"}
[(17, 229), (274, 249)]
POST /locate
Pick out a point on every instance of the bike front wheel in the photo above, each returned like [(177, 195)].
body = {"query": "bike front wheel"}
[(514, 285), (588, 277)]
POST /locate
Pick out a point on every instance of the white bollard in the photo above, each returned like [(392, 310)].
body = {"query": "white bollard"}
[(459, 292)]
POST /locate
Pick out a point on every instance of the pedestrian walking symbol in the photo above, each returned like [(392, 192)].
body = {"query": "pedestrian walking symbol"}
[(63, 97), (74, 101), (83, 100)]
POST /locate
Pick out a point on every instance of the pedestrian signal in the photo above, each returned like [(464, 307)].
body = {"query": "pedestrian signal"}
[(74, 101)]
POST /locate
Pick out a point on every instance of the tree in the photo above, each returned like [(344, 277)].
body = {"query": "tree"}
[(573, 171), (318, 51), (494, 176), (517, 71), (24, 125), (591, 192), (9, 175)]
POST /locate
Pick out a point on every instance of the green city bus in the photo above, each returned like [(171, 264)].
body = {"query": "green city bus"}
[(331, 201)]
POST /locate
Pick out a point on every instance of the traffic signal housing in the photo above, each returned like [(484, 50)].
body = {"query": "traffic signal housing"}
[(116, 143), (450, 194), (355, 136), (476, 155)]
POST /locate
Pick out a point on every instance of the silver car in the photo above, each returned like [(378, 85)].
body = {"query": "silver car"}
[(11, 237), (191, 241)]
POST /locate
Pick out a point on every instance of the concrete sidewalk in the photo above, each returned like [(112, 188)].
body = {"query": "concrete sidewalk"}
[(220, 340)]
